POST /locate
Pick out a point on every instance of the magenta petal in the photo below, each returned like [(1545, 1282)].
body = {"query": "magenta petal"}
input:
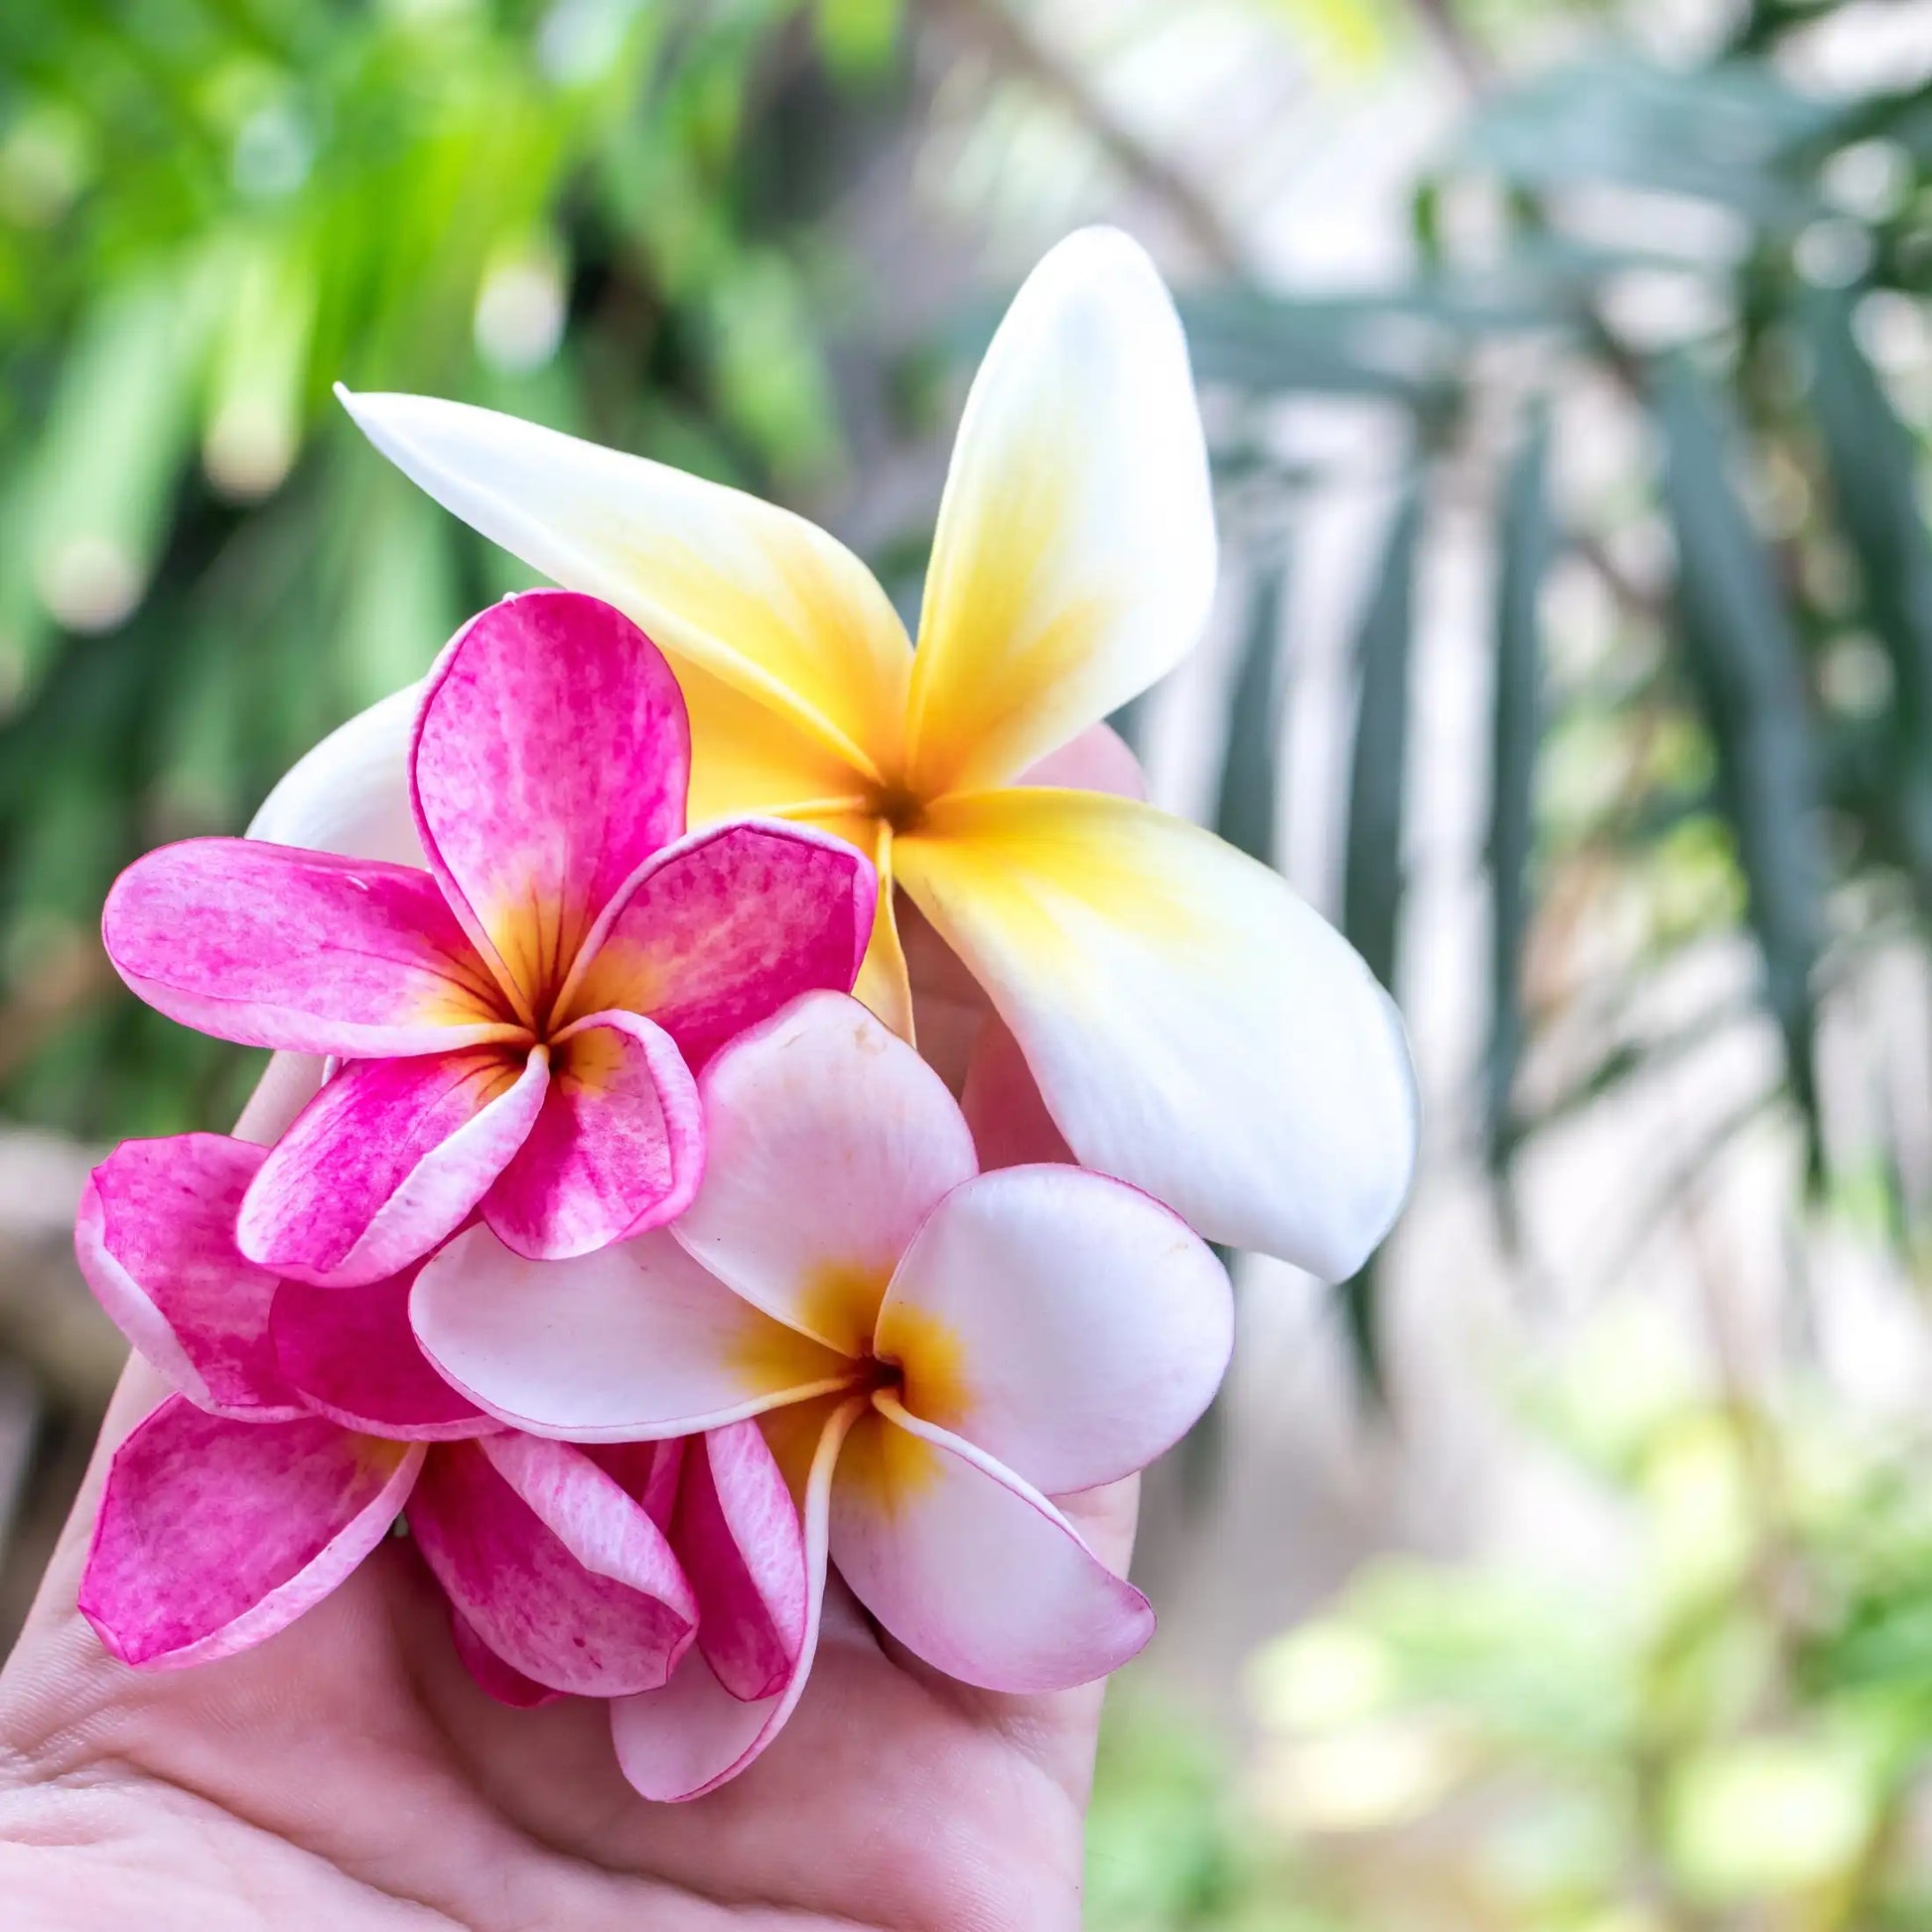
[(559, 1572), (722, 930), (352, 1355), (388, 1160), (651, 1473), (550, 760), (693, 1736), (737, 1532), (154, 1238), (298, 950), (493, 1677), (213, 1534), (618, 1147)]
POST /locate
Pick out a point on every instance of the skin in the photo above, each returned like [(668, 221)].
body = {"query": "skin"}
[(347, 1774)]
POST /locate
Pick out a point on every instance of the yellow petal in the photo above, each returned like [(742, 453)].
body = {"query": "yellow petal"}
[(749, 760), (1195, 1027), (748, 592), (1074, 559), (884, 983)]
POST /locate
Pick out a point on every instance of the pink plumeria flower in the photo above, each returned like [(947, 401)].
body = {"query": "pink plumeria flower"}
[(521, 1021), (305, 1421), (964, 1345)]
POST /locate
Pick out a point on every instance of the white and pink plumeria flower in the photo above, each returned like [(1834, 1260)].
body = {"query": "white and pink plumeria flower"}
[(935, 1352), (1191, 1025), (519, 1020), (304, 1422)]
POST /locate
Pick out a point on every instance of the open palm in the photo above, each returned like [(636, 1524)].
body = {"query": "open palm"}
[(347, 1774)]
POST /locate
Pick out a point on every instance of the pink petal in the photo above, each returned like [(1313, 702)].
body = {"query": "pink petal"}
[(720, 932), (737, 1532), (829, 1140), (1066, 1323), (154, 1238), (214, 1533), (971, 1568), (618, 1147), (299, 950), (630, 1343), (1002, 1106), (351, 1355), (551, 758), (649, 1471), (692, 1736), (493, 1677), (559, 1572), (1098, 760), (385, 1161)]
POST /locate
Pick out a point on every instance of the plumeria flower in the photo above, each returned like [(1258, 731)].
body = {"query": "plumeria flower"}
[(1194, 1026), (304, 1420), (934, 1352), (520, 1020)]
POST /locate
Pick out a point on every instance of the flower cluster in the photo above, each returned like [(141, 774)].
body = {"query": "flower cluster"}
[(646, 1275)]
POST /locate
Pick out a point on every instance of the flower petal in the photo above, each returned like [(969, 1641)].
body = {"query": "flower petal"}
[(214, 1534), (385, 1161), (885, 984), (298, 950), (1194, 1026), (750, 593), (723, 929), (494, 1678), (351, 1355), (632, 1341), (562, 1575), (616, 1148), (693, 1736), (350, 793), (972, 1569), (154, 1238), (828, 1141), (1002, 1106), (1074, 559), (1067, 1325), (550, 760), (737, 1532)]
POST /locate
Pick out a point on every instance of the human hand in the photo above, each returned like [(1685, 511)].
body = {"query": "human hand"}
[(349, 1774)]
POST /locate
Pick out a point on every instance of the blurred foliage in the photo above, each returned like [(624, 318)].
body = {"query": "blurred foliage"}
[(1716, 1717), (1706, 289), (592, 213)]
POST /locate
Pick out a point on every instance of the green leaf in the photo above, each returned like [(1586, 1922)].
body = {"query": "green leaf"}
[(1372, 875), (1244, 811), (1740, 650), (1526, 541), (1875, 484)]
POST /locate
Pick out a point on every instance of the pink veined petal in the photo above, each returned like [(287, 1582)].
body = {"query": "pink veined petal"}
[(829, 1141), (154, 1238), (559, 1572), (350, 1354), (737, 1532), (388, 1159), (972, 1569), (494, 1678), (722, 930), (616, 1148), (649, 1471), (694, 1735), (1065, 1324), (551, 758), (1003, 1104), (299, 950), (631, 1342), (214, 1534)]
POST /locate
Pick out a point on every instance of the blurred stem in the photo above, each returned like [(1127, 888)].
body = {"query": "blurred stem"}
[(1011, 44)]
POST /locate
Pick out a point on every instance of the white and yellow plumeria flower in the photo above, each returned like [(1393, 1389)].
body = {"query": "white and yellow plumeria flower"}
[(1194, 1026)]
